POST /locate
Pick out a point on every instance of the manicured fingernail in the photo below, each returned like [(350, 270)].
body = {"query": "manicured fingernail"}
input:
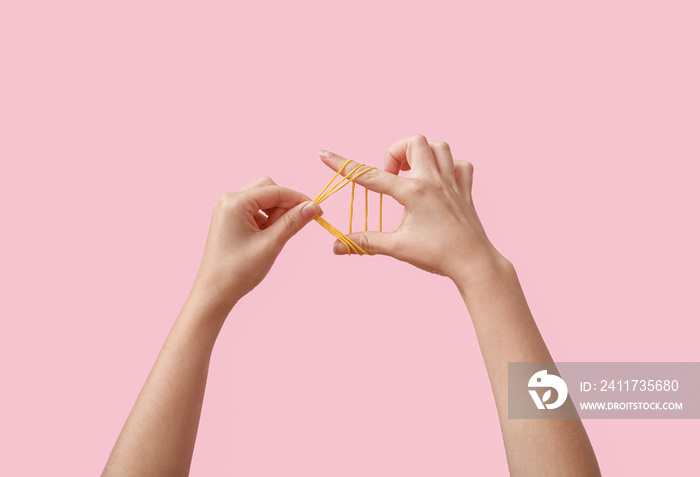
[(324, 153), (311, 210)]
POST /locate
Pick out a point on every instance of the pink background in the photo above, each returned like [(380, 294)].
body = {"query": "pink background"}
[(121, 124)]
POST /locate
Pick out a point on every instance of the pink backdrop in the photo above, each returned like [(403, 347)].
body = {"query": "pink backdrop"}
[(121, 124)]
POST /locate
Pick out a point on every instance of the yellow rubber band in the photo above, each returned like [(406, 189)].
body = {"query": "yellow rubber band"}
[(352, 202), (366, 199), (331, 189)]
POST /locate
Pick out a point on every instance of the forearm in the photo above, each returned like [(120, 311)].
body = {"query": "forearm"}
[(243, 242), (507, 332), (159, 435)]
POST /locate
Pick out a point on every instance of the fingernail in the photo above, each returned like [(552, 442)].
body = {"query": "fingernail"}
[(339, 249), (324, 153), (311, 210)]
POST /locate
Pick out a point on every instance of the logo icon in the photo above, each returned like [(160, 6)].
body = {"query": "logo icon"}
[(543, 380)]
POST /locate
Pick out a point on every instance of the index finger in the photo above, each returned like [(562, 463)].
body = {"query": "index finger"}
[(269, 196), (375, 179)]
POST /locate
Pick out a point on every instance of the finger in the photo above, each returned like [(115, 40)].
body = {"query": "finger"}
[(263, 181), (270, 196), (412, 153), (375, 179), (292, 221), (274, 211), (464, 175), (443, 159), (260, 220), (393, 166), (371, 242), (275, 214)]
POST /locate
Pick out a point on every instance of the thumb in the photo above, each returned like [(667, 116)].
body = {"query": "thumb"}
[(294, 220), (370, 242)]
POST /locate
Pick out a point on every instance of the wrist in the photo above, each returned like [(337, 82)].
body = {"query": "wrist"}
[(218, 292), (206, 308), (488, 270)]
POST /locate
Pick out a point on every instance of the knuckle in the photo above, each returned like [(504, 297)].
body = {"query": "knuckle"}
[(266, 180), (464, 166), (418, 138), (371, 173), (442, 145), (364, 242), (367, 244)]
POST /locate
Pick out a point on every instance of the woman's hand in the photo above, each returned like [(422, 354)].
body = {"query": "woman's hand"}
[(248, 230), (439, 231)]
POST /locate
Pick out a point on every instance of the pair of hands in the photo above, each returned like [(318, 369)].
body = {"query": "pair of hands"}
[(439, 231)]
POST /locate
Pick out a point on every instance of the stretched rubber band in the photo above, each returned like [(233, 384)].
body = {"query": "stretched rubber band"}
[(331, 189)]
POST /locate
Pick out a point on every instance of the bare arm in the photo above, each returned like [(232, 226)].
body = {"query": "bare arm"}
[(159, 435), (440, 232), (507, 333)]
